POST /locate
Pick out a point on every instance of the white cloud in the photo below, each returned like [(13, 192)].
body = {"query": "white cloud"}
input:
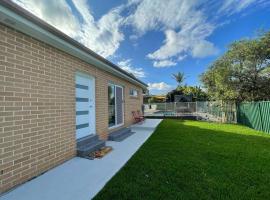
[(181, 57), (126, 65), (174, 44), (159, 88), (204, 49), (232, 6), (102, 36), (186, 24), (186, 28), (159, 14), (57, 13), (164, 63), (187, 41)]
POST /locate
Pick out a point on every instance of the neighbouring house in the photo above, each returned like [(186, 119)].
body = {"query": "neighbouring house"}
[(183, 98), (154, 99), (54, 93)]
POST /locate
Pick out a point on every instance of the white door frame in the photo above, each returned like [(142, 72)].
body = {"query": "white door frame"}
[(91, 103), (123, 106)]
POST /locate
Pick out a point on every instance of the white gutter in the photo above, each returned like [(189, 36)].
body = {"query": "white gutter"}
[(21, 24)]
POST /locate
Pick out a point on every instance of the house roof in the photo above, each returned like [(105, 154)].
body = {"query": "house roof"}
[(20, 19)]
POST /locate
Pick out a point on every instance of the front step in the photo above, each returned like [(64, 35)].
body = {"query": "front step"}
[(120, 135), (88, 144)]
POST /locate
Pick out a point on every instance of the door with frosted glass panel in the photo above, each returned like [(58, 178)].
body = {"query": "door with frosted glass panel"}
[(85, 105)]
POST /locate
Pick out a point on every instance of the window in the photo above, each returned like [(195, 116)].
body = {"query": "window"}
[(111, 101), (145, 92), (133, 93), (115, 105)]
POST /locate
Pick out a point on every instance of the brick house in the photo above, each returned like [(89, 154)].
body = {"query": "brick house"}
[(54, 92)]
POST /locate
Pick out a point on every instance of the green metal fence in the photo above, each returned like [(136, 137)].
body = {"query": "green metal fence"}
[(255, 115)]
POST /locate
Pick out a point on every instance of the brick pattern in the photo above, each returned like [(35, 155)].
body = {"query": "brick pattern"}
[(37, 106)]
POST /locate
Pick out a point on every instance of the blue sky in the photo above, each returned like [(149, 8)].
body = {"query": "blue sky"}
[(154, 38)]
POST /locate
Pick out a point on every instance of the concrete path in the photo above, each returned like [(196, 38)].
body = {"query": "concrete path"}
[(80, 178)]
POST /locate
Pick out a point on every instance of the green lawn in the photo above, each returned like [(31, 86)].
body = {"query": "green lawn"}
[(196, 160)]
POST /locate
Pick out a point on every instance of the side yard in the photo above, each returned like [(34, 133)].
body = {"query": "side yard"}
[(196, 160)]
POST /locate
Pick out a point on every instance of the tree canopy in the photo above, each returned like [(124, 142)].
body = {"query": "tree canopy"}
[(179, 77), (242, 73), (196, 92)]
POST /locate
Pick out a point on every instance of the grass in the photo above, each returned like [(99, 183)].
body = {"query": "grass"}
[(196, 160)]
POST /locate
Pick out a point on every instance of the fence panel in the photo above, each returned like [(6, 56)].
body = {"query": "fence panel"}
[(265, 116), (222, 111), (185, 107), (255, 115), (207, 110)]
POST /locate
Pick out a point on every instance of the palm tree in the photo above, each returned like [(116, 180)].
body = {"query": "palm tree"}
[(179, 77)]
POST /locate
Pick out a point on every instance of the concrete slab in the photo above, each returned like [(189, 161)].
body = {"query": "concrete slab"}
[(148, 124), (80, 178)]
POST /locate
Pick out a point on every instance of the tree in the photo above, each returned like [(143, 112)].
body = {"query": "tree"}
[(179, 78), (217, 81), (196, 92), (242, 73)]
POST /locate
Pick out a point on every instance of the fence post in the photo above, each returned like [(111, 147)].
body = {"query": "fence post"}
[(260, 112), (196, 110), (235, 113)]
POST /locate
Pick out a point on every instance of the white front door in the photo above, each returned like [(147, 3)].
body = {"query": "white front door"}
[(85, 105)]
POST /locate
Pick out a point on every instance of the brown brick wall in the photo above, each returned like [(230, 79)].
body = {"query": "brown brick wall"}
[(37, 106)]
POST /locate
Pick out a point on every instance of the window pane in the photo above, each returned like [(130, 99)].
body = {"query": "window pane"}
[(111, 101), (133, 92)]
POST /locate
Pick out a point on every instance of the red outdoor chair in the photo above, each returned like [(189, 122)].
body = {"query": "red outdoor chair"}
[(140, 115), (137, 118)]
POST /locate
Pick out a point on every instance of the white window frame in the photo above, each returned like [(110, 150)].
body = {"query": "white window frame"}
[(132, 95)]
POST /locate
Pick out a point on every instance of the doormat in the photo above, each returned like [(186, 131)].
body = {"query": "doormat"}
[(101, 152)]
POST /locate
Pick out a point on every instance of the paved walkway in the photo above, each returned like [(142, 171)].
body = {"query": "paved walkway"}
[(80, 178)]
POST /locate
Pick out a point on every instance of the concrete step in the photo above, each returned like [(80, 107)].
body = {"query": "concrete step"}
[(120, 135), (88, 144), (124, 136), (87, 140)]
